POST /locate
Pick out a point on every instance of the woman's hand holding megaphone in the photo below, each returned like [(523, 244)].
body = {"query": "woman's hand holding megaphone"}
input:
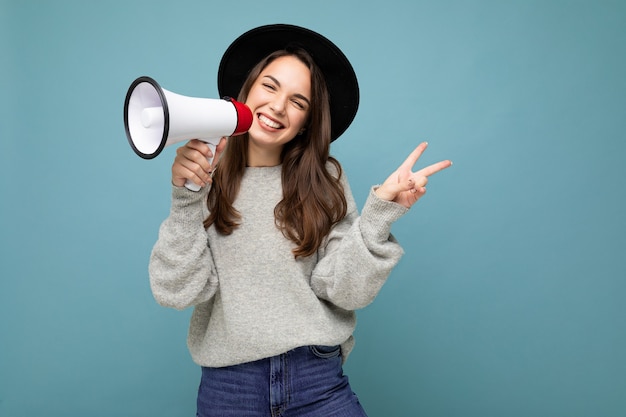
[(195, 162)]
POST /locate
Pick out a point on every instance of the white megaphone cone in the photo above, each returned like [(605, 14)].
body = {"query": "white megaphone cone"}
[(155, 118)]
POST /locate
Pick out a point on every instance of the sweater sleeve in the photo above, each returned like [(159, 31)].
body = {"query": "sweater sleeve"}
[(182, 271), (359, 253)]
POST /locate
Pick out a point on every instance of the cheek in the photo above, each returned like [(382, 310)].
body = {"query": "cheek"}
[(301, 118), (255, 97), (251, 100)]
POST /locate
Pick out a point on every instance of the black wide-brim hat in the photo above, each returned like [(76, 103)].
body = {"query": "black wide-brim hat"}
[(251, 47)]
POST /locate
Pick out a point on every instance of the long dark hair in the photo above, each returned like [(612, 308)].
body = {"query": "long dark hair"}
[(313, 197)]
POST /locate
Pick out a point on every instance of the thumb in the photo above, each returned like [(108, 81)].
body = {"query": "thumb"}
[(418, 182), (390, 190)]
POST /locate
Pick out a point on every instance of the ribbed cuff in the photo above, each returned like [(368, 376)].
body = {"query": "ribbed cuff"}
[(380, 214), (188, 206)]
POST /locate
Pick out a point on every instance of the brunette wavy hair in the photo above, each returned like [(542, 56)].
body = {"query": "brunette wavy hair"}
[(313, 197)]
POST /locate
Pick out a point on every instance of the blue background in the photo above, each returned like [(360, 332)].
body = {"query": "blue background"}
[(511, 299)]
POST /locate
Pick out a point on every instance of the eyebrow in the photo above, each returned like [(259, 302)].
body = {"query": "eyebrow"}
[(300, 96)]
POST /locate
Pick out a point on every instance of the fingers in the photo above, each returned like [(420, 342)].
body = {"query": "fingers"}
[(417, 181), (429, 170), (392, 187), (406, 187), (434, 168), (414, 156), (221, 145), (417, 185), (418, 193), (198, 146), (191, 163)]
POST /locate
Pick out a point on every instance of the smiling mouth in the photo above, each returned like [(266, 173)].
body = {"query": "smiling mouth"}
[(269, 122)]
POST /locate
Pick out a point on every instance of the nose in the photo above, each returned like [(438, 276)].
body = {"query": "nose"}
[(278, 105)]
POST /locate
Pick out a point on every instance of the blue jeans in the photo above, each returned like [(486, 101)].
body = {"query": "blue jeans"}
[(304, 382)]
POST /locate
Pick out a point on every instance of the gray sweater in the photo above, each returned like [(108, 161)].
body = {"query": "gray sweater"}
[(252, 299)]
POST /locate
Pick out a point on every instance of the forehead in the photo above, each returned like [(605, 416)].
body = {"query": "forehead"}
[(288, 69)]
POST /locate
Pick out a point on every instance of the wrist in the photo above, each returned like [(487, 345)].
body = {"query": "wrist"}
[(382, 193)]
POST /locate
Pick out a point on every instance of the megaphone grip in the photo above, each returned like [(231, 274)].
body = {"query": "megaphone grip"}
[(192, 186)]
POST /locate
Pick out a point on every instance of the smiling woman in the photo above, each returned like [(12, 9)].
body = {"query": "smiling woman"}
[(272, 252), (279, 100)]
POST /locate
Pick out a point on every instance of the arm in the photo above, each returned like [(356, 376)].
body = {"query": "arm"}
[(182, 271), (360, 251)]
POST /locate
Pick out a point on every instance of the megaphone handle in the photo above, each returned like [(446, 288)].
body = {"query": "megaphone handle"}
[(192, 186)]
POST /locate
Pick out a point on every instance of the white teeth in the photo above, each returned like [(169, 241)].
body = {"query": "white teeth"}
[(267, 121)]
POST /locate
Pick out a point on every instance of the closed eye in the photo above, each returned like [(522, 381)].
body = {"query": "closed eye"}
[(299, 100), (302, 101)]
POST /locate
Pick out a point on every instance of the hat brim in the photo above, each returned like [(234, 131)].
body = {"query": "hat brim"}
[(251, 47)]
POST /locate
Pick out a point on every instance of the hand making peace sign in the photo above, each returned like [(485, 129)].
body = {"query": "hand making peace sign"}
[(404, 186)]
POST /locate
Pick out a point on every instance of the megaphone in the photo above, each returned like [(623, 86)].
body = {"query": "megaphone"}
[(155, 118)]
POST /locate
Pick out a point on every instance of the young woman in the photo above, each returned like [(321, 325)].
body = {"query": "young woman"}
[(272, 252)]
